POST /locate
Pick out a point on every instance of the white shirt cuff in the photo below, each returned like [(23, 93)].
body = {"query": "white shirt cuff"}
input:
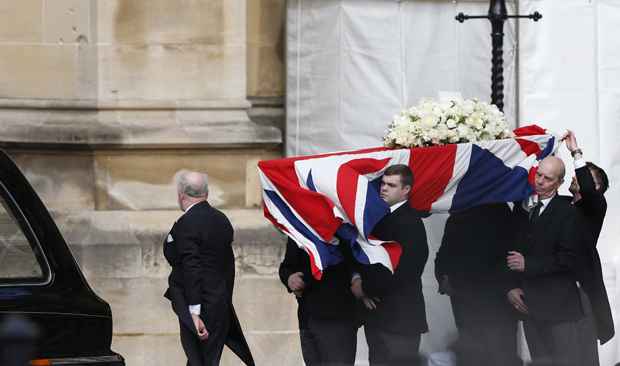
[(194, 309), (580, 163), (355, 276)]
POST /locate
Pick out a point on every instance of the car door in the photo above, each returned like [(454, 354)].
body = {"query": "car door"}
[(40, 279)]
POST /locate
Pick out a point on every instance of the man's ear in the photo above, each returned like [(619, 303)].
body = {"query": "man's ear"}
[(408, 188)]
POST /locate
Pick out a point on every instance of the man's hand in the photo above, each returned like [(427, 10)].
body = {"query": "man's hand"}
[(370, 304), (515, 261), (356, 288), (203, 334), (515, 297), (358, 292), (571, 141), (445, 288), (296, 283)]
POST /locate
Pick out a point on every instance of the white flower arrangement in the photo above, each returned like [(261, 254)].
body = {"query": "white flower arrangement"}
[(437, 123)]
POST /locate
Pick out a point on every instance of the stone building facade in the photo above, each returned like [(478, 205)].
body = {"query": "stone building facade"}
[(102, 101)]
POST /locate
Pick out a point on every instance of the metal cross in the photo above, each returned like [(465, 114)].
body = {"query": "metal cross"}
[(497, 16)]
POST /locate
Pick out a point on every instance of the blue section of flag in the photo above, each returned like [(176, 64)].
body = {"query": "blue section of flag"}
[(310, 182), (348, 235), (375, 209), (548, 149), (329, 254), (489, 180)]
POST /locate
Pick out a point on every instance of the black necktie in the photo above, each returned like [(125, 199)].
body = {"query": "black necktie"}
[(535, 212)]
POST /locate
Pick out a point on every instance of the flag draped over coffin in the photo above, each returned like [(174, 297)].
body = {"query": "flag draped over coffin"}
[(311, 198)]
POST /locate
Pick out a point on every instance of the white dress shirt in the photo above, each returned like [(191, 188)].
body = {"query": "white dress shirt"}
[(533, 201), (395, 206)]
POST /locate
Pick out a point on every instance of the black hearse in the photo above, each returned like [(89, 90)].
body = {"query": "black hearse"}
[(40, 281)]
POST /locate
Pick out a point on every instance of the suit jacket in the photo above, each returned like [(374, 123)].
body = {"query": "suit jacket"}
[(198, 248), (401, 308), (550, 246), (328, 298), (592, 206), (472, 254)]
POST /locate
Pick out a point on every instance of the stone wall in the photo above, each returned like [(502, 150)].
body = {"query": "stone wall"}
[(266, 37)]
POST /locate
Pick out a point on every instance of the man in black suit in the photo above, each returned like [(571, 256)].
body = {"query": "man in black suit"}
[(395, 314), (544, 262), (588, 188), (327, 323), (200, 286), (467, 270)]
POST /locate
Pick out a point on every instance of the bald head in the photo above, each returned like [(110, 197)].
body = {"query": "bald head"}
[(192, 187), (549, 176)]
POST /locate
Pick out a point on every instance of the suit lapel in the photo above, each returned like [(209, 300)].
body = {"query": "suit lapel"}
[(383, 229), (548, 212)]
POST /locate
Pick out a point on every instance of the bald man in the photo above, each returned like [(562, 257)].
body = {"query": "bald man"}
[(542, 267), (200, 286)]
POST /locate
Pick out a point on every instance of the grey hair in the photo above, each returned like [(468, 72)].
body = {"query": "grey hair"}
[(192, 187)]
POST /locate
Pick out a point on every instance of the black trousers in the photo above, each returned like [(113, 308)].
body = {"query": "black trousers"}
[(586, 328), (327, 342), (566, 343), (553, 344), (391, 349), (203, 353), (487, 331)]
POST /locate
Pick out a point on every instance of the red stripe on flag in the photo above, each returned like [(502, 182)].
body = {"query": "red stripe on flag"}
[(273, 220), (432, 169), (316, 272), (346, 181), (531, 177), (530, 130), (315, 209), (394, 250), (528, 147)]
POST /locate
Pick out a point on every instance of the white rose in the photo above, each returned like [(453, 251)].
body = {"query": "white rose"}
[(463, 131), (429, 121), (474, 122), (442, 132), (453, 136)]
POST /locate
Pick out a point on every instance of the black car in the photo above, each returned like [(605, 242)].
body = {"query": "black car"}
[(41, 281)]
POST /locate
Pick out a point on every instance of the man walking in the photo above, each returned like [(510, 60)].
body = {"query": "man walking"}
[(544, 261), (200, 286), (395, 314)]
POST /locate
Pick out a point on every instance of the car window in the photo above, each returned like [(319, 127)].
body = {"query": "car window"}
[(21, 258)]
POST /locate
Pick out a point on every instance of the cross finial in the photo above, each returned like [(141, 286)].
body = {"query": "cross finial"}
[(497, 15)]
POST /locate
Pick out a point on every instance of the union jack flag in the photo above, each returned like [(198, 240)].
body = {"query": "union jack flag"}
[(311, 198)]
